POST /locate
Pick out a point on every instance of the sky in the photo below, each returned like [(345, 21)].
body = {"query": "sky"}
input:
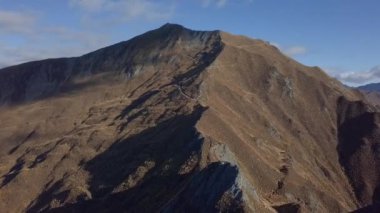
[(340, 36)]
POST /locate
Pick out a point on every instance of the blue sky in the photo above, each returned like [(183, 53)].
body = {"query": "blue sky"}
[(341, 36)]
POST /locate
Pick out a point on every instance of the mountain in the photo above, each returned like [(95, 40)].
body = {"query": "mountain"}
[(177, 120), (374, 87), (371, 92)]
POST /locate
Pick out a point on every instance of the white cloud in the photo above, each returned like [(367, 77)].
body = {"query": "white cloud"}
[(291, 50), (221, 3), (89, 5), (124, 10), (217, 3), (50, 43), (11, 55), (295, 50), (357, 78), (34, 41), (16, 22)]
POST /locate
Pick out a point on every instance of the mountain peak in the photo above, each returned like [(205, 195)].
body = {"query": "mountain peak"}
[(177, 28), (172, 26)]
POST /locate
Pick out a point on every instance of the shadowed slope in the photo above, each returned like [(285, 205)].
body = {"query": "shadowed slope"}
[(359, 148)]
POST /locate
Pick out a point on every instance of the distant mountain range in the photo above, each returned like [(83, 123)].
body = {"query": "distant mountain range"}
[(374, 87)]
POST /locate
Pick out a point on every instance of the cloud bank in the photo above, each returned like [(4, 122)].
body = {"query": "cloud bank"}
[(217, 3), (124, 10), (291, 51), (357, 78), (34, 41), (16, 22), (295, 50), (220, 3)]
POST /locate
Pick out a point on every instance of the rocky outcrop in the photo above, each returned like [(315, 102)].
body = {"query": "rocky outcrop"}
[(359, 148), (214, 189)]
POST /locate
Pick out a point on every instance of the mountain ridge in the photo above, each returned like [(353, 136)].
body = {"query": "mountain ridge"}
[(373, 87), (188, 120)]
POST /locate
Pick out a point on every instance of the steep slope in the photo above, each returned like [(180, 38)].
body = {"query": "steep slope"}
[(280, 120), (114, 137), (359, 148), (182, 120)]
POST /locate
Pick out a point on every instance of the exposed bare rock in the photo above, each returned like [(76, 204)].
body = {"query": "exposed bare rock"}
[(359, 148)]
